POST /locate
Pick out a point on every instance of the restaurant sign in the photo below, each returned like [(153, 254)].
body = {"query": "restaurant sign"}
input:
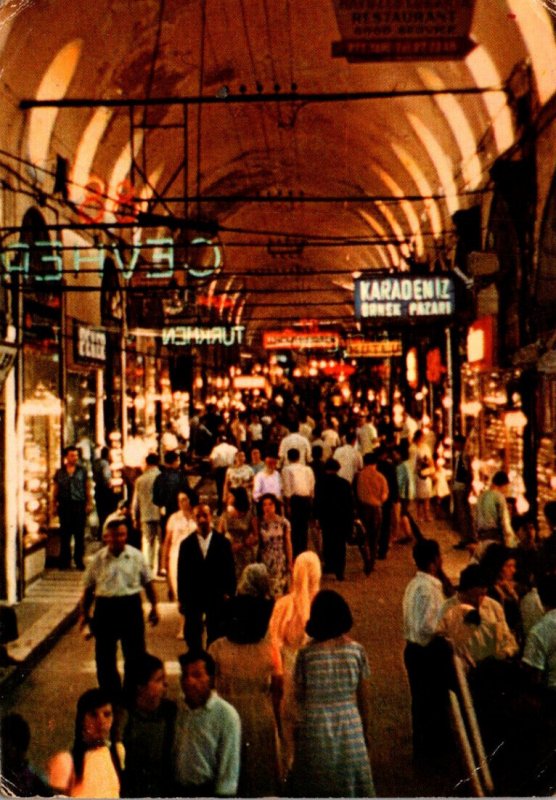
[(404, 299), (395, 30), (294, 340), (384, 348)]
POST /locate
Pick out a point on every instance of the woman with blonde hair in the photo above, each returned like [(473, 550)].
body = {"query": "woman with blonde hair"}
[(287, 634)]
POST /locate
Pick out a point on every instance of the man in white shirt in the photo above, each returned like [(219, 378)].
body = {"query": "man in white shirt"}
[(540, 647), (268, 480), (474, 623), (298, 482), (207, 739), (425, 654), (221, 457), (113, 582), (145, 514), (294, 440), (367, 435), (349, 457)]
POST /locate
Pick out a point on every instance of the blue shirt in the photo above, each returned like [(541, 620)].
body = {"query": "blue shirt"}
[(207, 746)]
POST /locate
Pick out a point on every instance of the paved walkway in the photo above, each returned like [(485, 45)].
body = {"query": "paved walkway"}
[(50, 609)]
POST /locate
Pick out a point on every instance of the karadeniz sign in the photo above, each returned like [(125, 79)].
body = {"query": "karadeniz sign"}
[(407, 298)]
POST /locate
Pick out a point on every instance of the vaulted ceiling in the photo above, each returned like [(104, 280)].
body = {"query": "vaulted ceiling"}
[(304, 183)]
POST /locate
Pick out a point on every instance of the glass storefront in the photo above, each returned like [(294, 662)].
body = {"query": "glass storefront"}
[(42, 414)]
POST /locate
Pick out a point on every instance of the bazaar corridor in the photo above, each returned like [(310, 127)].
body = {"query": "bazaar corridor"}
[(376, 603)]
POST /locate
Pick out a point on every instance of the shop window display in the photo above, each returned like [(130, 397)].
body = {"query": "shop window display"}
[(42, 442)]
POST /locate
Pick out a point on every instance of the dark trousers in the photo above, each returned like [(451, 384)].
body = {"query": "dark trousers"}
[(371, 517), (219, 478), (462, 514), (197, 616), (72, 524), (428, 670), (385, 525), (333, 550), (300, 514), (118, 619)]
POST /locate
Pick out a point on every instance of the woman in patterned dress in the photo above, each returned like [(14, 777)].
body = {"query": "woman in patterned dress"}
[(237, 523), (331, 686), (275, 546)]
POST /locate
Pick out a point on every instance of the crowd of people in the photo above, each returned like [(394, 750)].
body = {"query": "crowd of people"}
[(499, 621), (275, 691)]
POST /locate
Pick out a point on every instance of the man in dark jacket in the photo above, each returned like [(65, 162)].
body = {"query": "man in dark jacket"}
[(206, 580), (334, 511), (167, 486)]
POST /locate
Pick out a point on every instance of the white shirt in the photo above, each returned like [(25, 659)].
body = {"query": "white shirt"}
[(222, 455), (422, 603), (142, 506), (297, 441), (298, 479), (117, 576), (266, 483), (540, 647), (204, 543), (531, 609), (350, 460), (367, 436), (331, 441), (492, 638)]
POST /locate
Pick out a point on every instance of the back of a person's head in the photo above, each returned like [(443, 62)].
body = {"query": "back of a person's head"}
[(370, 459), (316, 452), (425, 553), (330, 616), (247, 618), (332, 465), (145, 667), (493, 559), (151, 460), (241, 499), (472, 577), (255, 581), (500, 478), (546, 588), (293, 454), (171, 458), (307, 572), (104, 453)]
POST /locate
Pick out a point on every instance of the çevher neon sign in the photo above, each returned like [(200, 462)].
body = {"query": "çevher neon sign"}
[(15, 259)]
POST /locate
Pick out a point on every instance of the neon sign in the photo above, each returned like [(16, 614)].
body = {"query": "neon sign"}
[(15, 259), (185, 335), (404, 298)]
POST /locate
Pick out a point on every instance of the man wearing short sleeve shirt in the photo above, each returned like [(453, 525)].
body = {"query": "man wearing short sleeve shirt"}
[(540, 646), (114, 581), (422, 604)]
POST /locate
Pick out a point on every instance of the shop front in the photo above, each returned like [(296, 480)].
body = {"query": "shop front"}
[(496, 419)]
